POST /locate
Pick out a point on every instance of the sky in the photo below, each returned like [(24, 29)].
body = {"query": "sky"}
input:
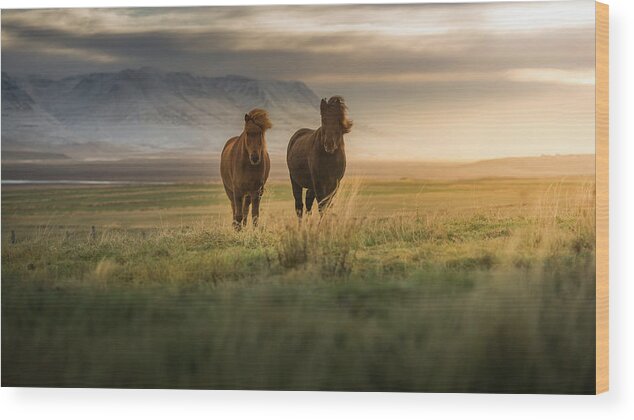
[(433, 81)]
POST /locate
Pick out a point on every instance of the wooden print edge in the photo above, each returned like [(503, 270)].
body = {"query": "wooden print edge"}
[(602, 195)]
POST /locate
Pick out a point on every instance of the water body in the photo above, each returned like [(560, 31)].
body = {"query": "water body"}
[(76, 182)]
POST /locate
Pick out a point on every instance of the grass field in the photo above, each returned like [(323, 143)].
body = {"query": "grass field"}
[(460, 286)]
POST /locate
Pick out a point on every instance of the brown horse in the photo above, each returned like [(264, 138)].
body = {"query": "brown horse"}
[(245, 166), (317, 158)]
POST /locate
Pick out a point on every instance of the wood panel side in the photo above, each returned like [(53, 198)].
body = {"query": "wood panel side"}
[(602, 196)]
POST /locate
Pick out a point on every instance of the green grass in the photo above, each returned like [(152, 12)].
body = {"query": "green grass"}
[(472, 286)]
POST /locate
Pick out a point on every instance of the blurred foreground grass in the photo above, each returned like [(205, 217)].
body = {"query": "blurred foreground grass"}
[(478, 286)]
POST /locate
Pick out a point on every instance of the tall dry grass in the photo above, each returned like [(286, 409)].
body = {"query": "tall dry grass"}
[(483, 299), (349, 240), (328, 241)]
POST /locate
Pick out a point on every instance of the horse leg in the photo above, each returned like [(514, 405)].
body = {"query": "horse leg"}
[(310, 198), (233, 205), (246, 202), (323, 204), (255, 204), (237, 216), (297, 193), (324, 197), (321, 195)]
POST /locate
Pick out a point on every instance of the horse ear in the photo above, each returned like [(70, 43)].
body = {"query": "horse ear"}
[(323, 105), (246, 118)]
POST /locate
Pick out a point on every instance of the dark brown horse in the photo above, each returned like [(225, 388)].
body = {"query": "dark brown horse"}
[(245, 166), (317, 158)]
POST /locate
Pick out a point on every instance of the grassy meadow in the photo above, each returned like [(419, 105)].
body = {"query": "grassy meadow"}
[(480, 285)]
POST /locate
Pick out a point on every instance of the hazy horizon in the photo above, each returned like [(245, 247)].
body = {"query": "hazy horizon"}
[(422, 81)]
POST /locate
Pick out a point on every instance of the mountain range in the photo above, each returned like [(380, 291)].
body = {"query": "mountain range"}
[(146, 111)]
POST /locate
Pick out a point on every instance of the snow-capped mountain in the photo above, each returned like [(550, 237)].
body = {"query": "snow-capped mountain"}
[(147, 110)]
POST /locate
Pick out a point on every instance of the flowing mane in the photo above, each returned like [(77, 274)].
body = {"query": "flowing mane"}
[(337, 108), (260, 118)]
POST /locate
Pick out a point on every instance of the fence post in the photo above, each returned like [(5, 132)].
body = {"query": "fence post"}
[(13, 237), (93, 233)]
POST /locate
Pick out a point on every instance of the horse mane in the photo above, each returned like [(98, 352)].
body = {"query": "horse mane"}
[(260, 118), (337, 106)]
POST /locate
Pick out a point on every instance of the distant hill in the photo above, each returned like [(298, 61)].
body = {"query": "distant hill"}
[(145, 110), (513, 167), (206, 168)]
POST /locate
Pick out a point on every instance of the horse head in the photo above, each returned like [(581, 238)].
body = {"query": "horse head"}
[(256, 122), (334, 123)]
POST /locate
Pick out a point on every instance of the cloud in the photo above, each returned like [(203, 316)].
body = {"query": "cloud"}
[(473, 79), (336, 43), (567, 77)]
